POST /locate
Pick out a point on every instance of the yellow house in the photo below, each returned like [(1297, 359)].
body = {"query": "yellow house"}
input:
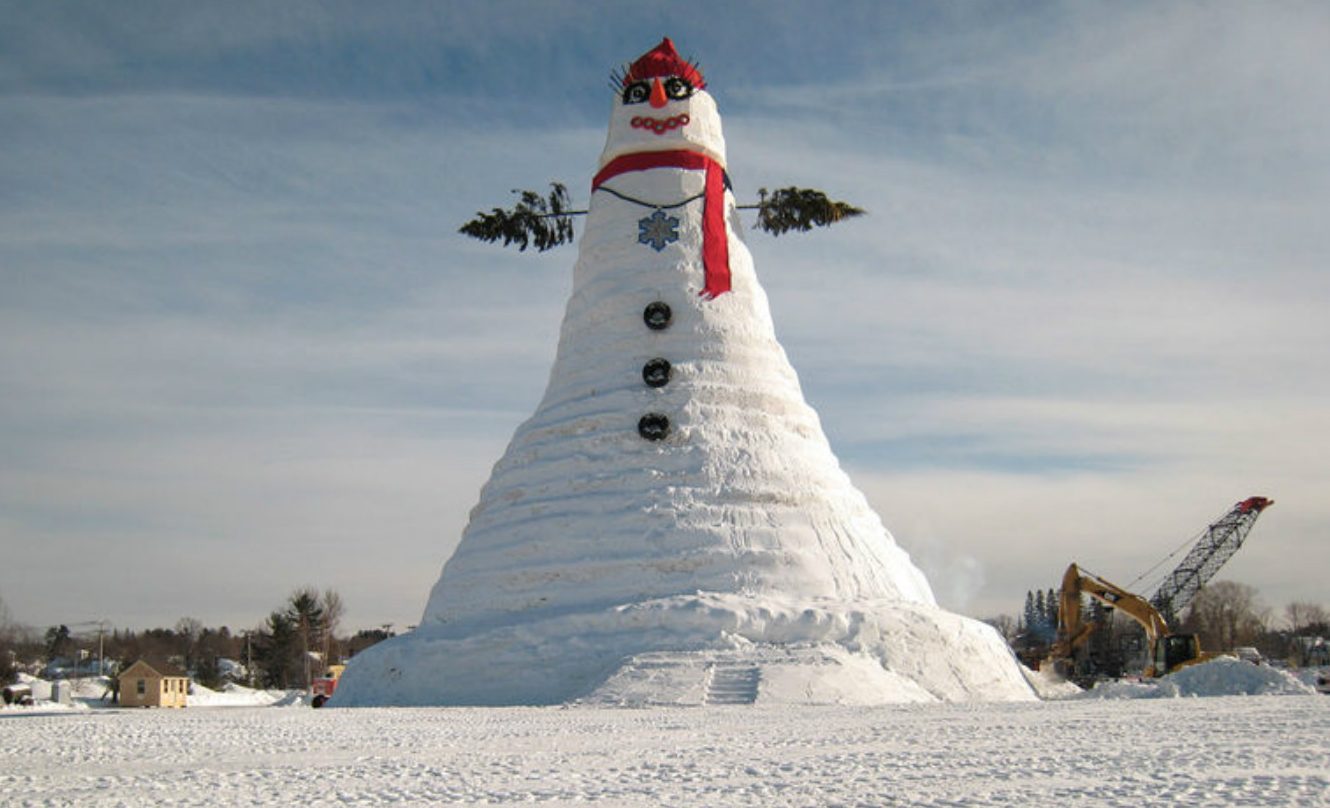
[(153, 685)]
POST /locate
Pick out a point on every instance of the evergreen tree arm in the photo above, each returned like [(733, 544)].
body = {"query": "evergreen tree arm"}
[(801, 209), (546, 222)]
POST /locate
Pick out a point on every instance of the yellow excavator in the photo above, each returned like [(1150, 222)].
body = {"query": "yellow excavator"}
[(1168, 651)]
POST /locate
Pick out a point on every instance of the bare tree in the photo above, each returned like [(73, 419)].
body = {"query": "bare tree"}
[(1006, 625), (188, 630), (1226, 614), (1303, 615), (333, 610)]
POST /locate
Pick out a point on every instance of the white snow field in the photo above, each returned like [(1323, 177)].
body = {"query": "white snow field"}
[(1234, 750)]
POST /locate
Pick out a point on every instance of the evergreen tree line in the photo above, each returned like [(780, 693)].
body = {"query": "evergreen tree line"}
[(294, 644), (1040, 617)]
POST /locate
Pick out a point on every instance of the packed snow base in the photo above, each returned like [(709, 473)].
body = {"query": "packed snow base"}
[(670, 651), (608, 564), (1258, 750)]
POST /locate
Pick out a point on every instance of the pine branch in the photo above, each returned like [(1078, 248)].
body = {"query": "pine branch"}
[(546, 222), (801, 209)]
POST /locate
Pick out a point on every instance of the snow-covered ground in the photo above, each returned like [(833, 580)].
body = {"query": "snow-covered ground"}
[(1223, 733), (1233, 750)]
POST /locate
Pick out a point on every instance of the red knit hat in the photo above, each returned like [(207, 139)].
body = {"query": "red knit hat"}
[(663, 60)]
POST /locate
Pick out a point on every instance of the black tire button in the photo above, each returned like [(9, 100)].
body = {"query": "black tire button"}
[(657, 316), (656, 373), (653, 426)]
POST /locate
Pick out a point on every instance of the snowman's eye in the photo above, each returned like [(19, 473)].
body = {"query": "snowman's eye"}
[(677, 89), (636, 93)]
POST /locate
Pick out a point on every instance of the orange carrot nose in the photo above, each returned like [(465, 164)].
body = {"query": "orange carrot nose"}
[(658, 98)]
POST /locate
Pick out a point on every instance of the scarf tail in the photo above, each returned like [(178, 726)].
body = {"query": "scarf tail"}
[(715, 244)]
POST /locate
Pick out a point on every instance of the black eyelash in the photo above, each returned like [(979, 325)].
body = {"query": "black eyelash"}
[(618, 78)]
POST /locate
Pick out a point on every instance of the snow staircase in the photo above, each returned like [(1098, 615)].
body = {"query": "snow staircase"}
[(732, 683), (754, 674)]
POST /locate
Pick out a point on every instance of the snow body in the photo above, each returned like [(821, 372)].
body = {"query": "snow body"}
[(736, 538)]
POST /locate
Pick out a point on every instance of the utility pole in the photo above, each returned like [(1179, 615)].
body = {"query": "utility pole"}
[(101, 642)]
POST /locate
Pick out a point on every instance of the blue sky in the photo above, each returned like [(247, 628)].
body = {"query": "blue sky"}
[(243, 348)]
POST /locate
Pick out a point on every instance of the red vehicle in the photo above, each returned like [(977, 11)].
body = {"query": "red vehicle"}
[(322, 688)]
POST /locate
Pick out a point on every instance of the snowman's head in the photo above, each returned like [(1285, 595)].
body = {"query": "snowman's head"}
[(661, 104)]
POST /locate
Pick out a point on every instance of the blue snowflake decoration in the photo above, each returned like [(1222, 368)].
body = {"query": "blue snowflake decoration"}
[(657, 230)]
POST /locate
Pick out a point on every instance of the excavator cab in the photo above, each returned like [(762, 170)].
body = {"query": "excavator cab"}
[(1174, 650)]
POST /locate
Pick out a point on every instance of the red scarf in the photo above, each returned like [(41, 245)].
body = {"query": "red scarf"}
[(715, 246)]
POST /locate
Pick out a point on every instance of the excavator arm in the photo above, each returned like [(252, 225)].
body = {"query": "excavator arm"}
[(1073, 630)]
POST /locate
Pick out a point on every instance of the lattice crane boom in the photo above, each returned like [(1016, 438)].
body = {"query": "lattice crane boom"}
[(1214, 548)]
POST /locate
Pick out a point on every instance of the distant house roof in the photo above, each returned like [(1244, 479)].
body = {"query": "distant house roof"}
[(157, 666)]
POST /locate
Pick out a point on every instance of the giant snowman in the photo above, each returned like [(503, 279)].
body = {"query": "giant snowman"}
[(671, 525)]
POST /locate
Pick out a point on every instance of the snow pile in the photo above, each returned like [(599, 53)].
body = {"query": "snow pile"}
[(1049, 685), (1224, 676), (736, 532), (1316, 678), (234, 695)]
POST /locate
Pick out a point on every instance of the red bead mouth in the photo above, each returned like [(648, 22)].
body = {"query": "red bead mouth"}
[(659, 125)]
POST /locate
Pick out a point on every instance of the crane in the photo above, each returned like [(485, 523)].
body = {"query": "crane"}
[(1214, 548)]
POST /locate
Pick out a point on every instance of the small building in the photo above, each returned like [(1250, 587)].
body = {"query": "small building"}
[(153, 684)]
